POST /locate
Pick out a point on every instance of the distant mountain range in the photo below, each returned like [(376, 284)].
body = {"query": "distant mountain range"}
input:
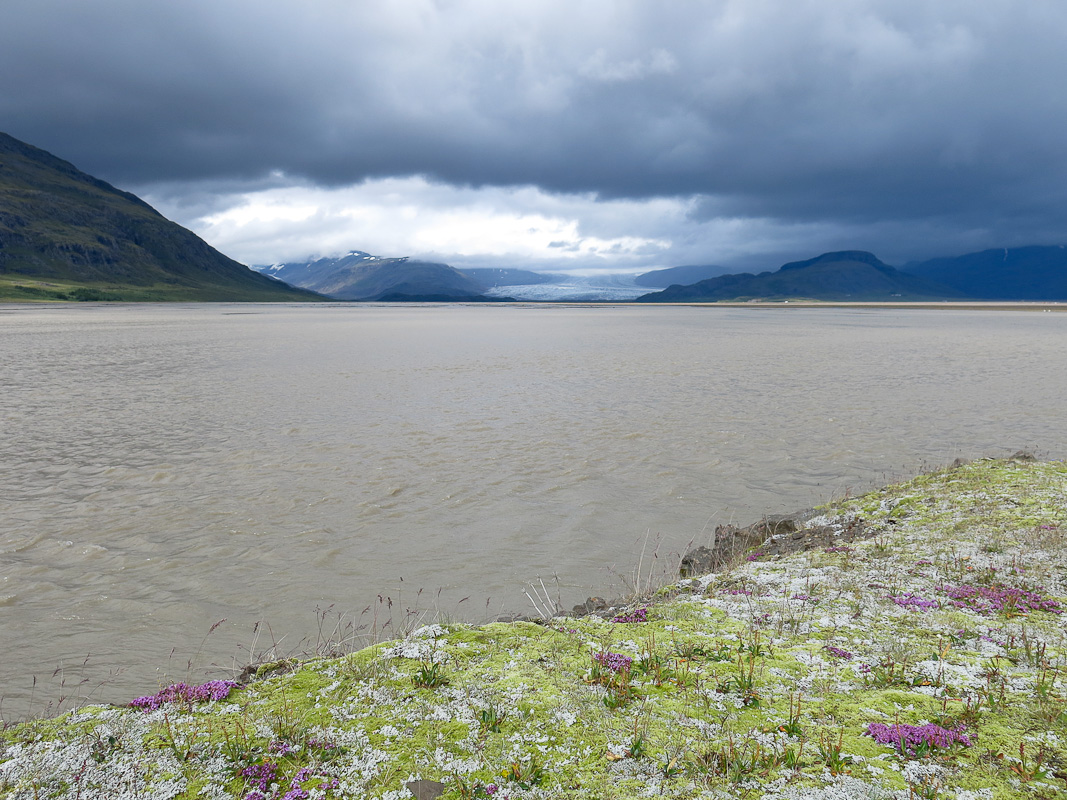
[(1028, 273), (361, 276), (679, 276), (845, 275), (1020, 273), (65, 235)]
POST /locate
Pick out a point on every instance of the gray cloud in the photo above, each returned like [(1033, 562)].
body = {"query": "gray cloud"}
[(938, 122)]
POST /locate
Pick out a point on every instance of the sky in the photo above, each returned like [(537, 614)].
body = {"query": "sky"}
[(560, 135)]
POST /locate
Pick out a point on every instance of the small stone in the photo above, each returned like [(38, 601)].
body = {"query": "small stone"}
[(425, 790), (591, 605)]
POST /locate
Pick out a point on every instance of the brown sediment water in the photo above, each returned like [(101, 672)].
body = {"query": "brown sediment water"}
[(166, 467)]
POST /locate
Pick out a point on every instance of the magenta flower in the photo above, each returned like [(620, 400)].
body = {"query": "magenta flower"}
[(212, 690), (637, 615), (616, 662), (914, 602), (1000, 598), (917, 739), (261, 776)]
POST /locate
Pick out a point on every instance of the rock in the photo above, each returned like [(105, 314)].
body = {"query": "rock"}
[(425, 790), (698, 561), (775, 525), (590, 606), (729, 543), (773, 535)]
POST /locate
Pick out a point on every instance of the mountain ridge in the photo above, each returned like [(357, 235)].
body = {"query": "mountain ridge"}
[(679, 276), (65, 234), (364, 277), (1033, 272), (845, 275)]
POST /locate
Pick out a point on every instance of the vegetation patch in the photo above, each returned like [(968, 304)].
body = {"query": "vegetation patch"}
[(927, 660)]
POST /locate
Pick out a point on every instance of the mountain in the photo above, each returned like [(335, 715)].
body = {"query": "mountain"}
[(65, 235), (850, 275), (678, 276), (1020, 273), (361, 276)]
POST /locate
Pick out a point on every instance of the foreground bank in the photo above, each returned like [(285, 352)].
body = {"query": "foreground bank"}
[(918, 651)]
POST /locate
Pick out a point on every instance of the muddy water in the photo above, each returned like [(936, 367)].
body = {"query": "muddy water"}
[(163, 468)]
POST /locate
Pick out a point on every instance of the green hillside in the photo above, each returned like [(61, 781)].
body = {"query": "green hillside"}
[(65, 235)]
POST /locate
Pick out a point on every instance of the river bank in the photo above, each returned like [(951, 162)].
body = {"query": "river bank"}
[(925, 658), (168, 467)]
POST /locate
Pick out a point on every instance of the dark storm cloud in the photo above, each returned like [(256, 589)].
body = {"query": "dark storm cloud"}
[(947, 116)]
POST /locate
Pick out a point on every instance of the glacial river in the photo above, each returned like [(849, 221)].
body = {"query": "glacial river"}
[(188, 488)]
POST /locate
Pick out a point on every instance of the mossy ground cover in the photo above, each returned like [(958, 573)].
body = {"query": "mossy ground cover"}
[(928, 660)]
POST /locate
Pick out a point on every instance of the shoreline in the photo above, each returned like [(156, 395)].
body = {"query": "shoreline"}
[(944, 305), (920, 632), (1051, 306)]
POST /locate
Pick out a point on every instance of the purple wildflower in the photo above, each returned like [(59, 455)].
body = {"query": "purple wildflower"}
[(296, 792), (261, 775), (914, 739), (1000, 598), (616, 662), (837, 652), (637, 615), (212, 690), (914, 601), (839, 549), (756, 556)]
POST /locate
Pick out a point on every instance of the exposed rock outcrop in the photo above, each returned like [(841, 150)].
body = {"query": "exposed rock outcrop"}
[(777, 534)]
